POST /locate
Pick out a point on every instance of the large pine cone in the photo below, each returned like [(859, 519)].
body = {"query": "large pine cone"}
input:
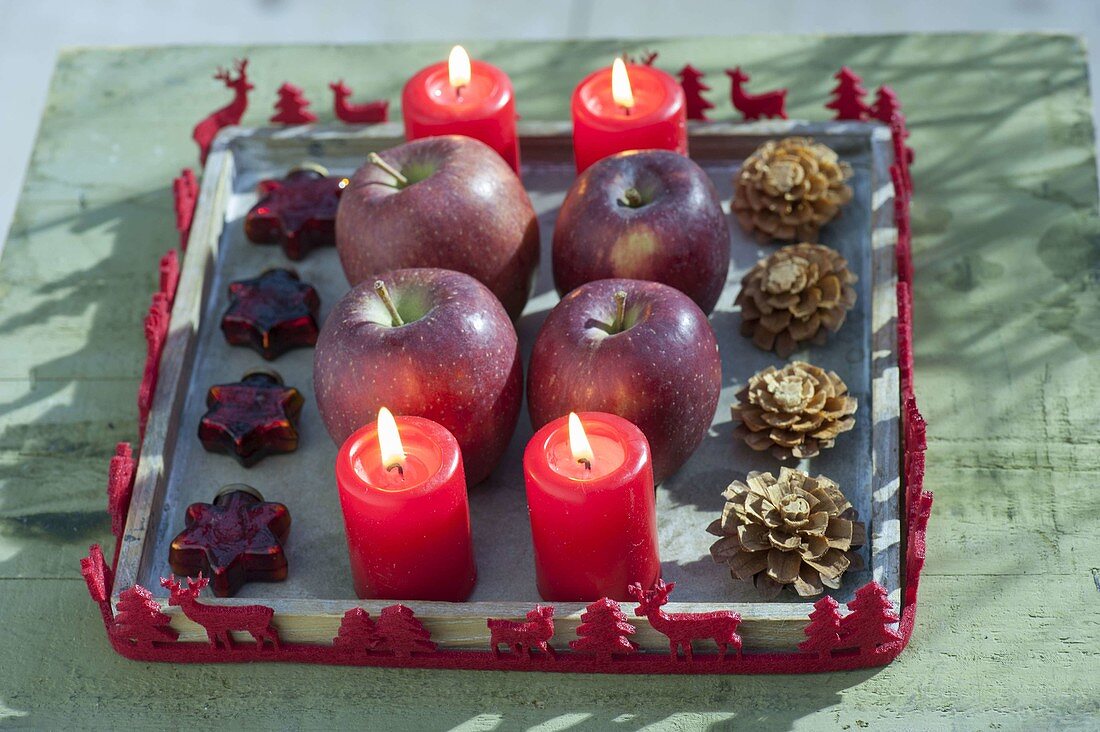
[(794, 411), (788, 189), (798, 294), (795, 531)]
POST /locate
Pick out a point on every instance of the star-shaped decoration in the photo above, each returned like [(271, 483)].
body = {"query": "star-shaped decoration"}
[(236, 539), (255, 417), (297, 212), (272, 313)]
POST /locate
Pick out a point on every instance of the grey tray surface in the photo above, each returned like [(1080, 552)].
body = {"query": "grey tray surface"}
[(864, 461)]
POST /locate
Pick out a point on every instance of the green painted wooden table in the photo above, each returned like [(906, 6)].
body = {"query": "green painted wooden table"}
[(1007, 304)]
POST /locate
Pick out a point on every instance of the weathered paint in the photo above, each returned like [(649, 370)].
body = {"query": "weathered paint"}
[(1007, 253)]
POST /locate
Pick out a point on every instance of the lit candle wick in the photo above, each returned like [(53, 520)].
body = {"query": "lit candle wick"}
[(389, 443), (458, 70), (620, 86), (578, 442)]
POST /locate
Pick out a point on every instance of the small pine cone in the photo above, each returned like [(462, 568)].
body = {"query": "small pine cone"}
[(794, 411), (799, 293), (792, 531), (788, 189)]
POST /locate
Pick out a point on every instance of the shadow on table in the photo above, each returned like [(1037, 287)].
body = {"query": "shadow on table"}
[(63, 425), (577, 702)]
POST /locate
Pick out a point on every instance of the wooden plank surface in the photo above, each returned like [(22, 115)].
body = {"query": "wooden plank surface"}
[(1007, 252)]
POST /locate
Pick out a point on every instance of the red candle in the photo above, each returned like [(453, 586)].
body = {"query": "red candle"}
[(460, 97), (627, 108), (405, 510), (592, 507)]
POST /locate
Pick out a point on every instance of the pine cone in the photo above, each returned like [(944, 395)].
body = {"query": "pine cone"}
[(797, 530), (788, 189), (794, 411), (787, 298)]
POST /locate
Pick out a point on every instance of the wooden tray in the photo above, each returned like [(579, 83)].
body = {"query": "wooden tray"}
[(174, 470)]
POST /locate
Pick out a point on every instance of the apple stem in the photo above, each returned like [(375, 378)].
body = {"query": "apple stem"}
[(631, 198), (620, 312), (376, 160), (384, 295)]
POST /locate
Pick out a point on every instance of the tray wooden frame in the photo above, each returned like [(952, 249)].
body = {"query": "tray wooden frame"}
[(765, 626)]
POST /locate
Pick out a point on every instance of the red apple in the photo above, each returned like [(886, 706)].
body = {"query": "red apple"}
[(644, 215), (449, 202), (641, 350), (424, 342)]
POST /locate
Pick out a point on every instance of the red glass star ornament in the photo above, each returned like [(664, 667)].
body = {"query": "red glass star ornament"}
[(272, 313), (236, 539), (255, 417), (297, 212)]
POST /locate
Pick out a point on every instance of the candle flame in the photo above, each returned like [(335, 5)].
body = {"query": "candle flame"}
[(458, 67), (389, 441), (620, 85), (578, 441)]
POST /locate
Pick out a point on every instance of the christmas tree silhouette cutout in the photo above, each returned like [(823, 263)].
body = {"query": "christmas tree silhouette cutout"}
[(887, 107), (358, 632), (604, 630), (823, 630), (866, 627), (140, 620), (401, 633), (292, 107), (120, 484), (185, 193), (98, 577), (691, 79), (848, 96)]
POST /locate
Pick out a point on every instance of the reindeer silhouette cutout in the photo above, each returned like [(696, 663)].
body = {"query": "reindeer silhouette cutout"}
[(645, 58), (230, 114), (523, 637), (683, 628), (755, 106), (366, 113), (218, 620)]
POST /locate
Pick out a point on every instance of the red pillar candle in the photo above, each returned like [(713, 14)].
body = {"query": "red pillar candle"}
[(405, 510), (627, 108), (592, 507), (463, 97)]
